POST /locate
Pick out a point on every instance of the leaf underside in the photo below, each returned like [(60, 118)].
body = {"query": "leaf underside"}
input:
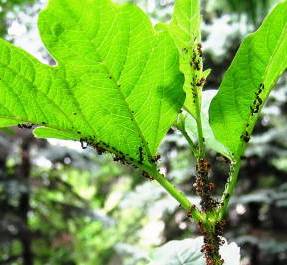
[(116, 83), (255, 70), (188, 252), (179, 252)]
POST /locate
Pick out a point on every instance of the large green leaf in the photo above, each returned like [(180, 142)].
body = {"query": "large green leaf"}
[(185, 30), (117, 83), (255, 70)]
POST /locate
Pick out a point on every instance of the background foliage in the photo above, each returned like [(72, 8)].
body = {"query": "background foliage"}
[(63, 205)]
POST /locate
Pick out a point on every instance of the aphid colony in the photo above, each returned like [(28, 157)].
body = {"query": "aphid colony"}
[(212, 242), (196, 61), (254, 109), (141, 155), (196, 64), (226, 193), (28, 125), (203, 187), (102, 147), (25, 125)]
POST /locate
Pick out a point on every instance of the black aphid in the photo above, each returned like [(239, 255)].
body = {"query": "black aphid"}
[(184, 50), (199, 49), (25, 125), (84, 144), (154, 159), (245, 137)]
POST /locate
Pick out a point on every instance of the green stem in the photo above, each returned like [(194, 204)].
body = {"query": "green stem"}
[(229, 188), (201, 149), (179, 196), (188, 139)]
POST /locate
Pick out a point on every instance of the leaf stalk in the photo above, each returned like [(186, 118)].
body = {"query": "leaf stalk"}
[(229, 188)]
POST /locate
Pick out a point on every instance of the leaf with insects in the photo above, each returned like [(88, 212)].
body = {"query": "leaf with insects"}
[(116, 84), (185, 24), (255, 70), (185, 30)]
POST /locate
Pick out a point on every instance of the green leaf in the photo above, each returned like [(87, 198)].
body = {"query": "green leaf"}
[(116, 85), (255, 70), (186, 20), (191, 127), (185, 30), (188, 252)]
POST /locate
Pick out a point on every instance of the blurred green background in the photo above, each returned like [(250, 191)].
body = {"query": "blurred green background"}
[(61, 205)]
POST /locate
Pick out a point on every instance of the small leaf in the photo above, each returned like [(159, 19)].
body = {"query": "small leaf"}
[(255, 70), (191, 127), (185, 30), (116, 84), (188, 252)]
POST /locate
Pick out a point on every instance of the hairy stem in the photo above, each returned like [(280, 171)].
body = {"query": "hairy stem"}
[(210, 228), (212, 242), (229, 188)]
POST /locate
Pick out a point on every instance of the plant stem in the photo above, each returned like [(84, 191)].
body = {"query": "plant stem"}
[(179, 196), (212, 243), (201, 151), (188, 139), (229, 188)]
